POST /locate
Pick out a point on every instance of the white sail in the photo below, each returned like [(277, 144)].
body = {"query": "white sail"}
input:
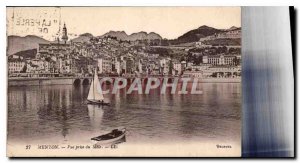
[(95, 92)]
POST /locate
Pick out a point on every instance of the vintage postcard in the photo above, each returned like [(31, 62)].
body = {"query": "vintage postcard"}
[(124, 81)]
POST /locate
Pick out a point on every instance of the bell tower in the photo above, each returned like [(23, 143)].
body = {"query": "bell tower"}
[(65, 34)]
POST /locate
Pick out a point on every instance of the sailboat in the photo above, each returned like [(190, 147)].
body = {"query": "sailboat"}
[(95, 93)]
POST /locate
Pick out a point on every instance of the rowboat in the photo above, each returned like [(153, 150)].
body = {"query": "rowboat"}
[(97, 102), (112, 137)]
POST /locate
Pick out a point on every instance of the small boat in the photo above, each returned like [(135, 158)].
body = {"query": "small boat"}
[(114, 136), (98, 102), (95, 93)]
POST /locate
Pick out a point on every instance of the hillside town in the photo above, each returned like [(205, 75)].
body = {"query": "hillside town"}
[(213, 56)]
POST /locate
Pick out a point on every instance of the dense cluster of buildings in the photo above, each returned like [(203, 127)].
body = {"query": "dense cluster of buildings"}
[(228, 34), (114, 57)]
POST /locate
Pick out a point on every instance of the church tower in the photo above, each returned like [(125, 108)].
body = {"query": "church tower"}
[(65, 34)]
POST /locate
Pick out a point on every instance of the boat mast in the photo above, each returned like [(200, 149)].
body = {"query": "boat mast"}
[(94, 85)]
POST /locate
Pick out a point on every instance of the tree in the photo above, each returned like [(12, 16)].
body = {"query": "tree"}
[(214, 75), (170, 67), (182, 58), (219, 50), (24, 69), (224, 49)]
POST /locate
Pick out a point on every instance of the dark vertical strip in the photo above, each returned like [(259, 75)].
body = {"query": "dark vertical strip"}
[(293, 23), (267, 82)]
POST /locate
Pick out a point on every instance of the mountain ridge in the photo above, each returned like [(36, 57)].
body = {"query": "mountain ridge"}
[(195, 34), (19, 43), (142, 35)]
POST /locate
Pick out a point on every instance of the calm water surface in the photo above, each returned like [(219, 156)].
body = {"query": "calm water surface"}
[(58, 114)]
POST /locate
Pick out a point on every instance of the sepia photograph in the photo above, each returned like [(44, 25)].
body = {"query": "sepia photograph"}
[(124, 81)]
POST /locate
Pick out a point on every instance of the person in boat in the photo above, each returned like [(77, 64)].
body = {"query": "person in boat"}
[(115, 133)]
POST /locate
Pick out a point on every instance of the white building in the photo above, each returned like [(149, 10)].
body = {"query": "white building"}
[(236, 33), (177, 67), (205, 59), (230, 34), (140, 66), (118, 66), (219, 59), (104, 65), (31, 68), (15, 65), (44, 66), (183, 64), (193, 74), (198, 44), (164, 65), (223, 71)]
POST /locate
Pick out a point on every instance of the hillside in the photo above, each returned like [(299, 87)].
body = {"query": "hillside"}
[(17, 43), (224, 42), (195, 34), (31, 53), (83, 38)]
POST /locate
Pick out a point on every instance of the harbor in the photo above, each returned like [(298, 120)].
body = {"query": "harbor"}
[(62, 114)]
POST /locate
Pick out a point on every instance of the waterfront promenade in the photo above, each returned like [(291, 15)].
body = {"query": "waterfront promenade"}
[(21, 81)]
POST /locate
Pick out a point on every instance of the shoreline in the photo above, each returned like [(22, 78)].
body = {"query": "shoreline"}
[(82, 81)]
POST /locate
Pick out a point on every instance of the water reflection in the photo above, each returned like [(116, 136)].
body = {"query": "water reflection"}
[(95, 114), (61, 112)]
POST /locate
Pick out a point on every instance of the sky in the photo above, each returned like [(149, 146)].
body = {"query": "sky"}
[(169, 22)]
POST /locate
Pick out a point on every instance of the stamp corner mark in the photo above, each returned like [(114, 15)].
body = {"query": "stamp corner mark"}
[(45, 23)]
